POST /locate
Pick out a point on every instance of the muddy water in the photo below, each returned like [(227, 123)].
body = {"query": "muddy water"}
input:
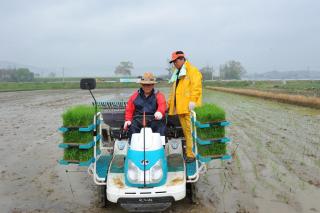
[(276, 165)]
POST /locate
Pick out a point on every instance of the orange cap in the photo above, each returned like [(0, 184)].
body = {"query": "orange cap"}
[(175, 55)]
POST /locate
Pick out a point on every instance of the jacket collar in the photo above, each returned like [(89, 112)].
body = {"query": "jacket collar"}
[(141, 92), (183, 72)]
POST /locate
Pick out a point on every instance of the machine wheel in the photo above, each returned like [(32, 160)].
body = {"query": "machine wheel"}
[(103, 201), (191, 192)]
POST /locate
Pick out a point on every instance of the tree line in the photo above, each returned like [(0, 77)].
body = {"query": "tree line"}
[(230, 70), (16, 75)]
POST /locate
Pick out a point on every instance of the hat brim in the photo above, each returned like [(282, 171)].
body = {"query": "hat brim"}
[(175, 58), (147, 82)]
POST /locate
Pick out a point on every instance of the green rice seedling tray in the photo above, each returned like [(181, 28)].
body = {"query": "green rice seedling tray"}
[(208, 113), (79, 152), (210, 141), (78, 116), (85, 163), (208, 159), (77, 137), (88, 128), (212, 124), (88, 145), (212, 150), (84, 158), (78, 140), (76, 154), (210, 131)]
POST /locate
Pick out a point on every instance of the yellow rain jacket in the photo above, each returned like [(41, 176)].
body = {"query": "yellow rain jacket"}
[(188, 90)]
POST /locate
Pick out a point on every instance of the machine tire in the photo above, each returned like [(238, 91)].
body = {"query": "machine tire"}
[(191, 193), (103, 201)]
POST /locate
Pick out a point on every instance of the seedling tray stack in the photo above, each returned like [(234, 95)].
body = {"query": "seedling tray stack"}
[(78, 135), (209, 132)]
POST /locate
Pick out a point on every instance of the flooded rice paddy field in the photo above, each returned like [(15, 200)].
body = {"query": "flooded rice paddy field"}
[(276, 165)]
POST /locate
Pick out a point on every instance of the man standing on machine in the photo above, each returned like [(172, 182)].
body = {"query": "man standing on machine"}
[(186, 94)]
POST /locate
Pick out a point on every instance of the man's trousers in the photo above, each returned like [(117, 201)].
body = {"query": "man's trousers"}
[(186, 127)]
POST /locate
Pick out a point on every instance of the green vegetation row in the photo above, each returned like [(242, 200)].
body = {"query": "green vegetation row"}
[(289, 84), (76, 79), (7, 87), (302, 87), (301, 100)]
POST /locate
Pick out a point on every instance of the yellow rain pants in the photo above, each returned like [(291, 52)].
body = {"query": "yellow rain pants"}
[(186, 127)]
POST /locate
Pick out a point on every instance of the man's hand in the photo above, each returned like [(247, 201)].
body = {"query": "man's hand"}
[(158, 115), (126, 125), (192, 105)]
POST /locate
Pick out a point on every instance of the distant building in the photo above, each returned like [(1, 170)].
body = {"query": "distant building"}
[(129, 80)]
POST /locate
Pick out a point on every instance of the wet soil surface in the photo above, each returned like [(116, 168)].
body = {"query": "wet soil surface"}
[(276, 166)]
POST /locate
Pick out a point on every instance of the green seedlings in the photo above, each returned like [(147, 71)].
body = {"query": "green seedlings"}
[(209, 112), (214, 149), (213, 132), (71, 154), (78, 116), (78, 155), (74, 136), (85, 155), (205, 114)]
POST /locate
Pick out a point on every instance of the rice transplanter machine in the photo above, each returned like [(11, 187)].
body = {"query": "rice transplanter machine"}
[(144, 173)]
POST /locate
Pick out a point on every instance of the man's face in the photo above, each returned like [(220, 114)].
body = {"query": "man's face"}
[(147, 88), (178, 63)]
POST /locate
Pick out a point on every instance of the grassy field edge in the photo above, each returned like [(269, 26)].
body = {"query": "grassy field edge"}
[(301, 100), (14, 87)]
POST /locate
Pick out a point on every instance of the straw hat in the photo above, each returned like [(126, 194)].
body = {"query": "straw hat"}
[(148, 78)]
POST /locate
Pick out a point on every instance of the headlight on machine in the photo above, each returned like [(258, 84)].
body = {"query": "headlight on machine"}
[(133, 172), (156, 172)]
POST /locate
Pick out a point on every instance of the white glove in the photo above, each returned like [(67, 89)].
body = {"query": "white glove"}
[(158, 115), (126, 124), (192, 105)]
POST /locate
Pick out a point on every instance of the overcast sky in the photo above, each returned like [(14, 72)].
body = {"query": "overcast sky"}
[(91, 37)]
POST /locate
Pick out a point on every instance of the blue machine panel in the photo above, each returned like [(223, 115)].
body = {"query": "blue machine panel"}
[(191, 168), (103, 165)]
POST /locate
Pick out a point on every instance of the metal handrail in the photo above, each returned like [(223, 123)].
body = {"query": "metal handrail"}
[(193, 118), (98, 115)]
